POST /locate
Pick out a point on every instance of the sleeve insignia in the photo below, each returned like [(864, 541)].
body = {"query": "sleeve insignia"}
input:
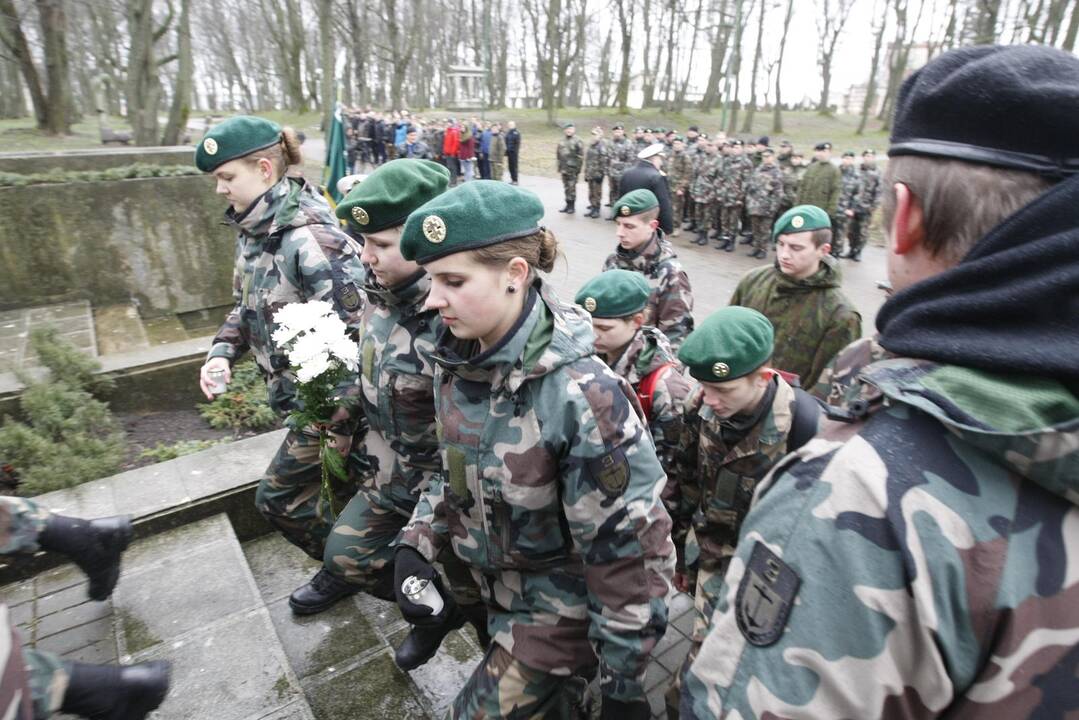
[(765, 596)]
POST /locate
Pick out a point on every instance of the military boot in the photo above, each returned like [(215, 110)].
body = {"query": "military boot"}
[(702, 238), (564, 208), (115, 692), (571, 208), (423, 641), (320, 592), (855, 255), (723, 242), (94, 545)]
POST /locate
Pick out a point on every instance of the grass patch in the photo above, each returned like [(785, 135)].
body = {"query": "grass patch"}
[(162, 451)]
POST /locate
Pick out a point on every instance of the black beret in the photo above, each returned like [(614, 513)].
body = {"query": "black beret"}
[(1013, 106), (618, 127), (694, 128), (734, 142), (823, 146), (762, 140)]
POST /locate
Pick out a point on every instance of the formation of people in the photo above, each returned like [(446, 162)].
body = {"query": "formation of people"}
[(469, 148), (869, 527), (721, 188)]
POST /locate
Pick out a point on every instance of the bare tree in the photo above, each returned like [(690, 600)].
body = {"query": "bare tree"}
[(1073, 29), (181, 91), (874, 65), (986, 19), (680, 98), (625, 10), (777, 107), (719, 33), (751, 110), (52, 100), (832, 16)]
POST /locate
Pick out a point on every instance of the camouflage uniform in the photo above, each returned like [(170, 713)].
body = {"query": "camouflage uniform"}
[(597, 159), (792, 179), (623, 154), (496, 155), (813, 319), (551, 497), (820, 186), (570, 155), (764, 191), (33, 682), (679, 176), (731, 192), (703, 192), (865, 202), (849, 183), (670, 306), (291, 249), (926, 552), (718, 464)]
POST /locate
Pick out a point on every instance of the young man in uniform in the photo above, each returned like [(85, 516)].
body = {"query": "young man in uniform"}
[(642, 248), (801, 295), (763, 194), (703, 190), (679, 175), (570, 156), (737, 423), (849, 182), (820, 181), (860, 214), (919, 558), (597, 159)]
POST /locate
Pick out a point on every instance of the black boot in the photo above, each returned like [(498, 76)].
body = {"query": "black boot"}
[(115, 692), (564, 208), (571, 208), (320, 592), (758, 253), (723, 243), (423, 642), (746, 239), (702, 239), (94, 545), (856, 255)]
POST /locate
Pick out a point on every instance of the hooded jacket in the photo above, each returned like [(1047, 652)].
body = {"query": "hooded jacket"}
[(551, 495), (924, 555)]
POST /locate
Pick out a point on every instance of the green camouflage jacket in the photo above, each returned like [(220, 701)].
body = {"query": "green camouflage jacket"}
[(813, 319), (731, 183), (703, 187), (868, 191), (764, 191), (396, 383), (792, 179), (850, 183), (290, 249), (820, 186), (570, 155), (21, 521), (679, 170), (919, 562), (551, 495), (670, 306), (597, 159), (716, 468), (498, 149), (623, 154)]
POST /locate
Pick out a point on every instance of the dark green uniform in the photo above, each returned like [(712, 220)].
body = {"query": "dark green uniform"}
[(820, 186), (570, 156)]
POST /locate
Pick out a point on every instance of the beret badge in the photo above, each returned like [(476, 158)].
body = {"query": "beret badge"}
[(590, 304), (210, 146), (797, 221), (434, 229), (721, 370), (360, 215)]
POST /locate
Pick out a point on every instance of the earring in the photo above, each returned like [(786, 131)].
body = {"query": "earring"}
[(511, 289)]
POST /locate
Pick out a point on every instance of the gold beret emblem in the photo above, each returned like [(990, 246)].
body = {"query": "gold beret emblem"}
[(434, 229), (797, 221), (360, 215), (721, 369), (210, 146), (590, 304), (625, 210)]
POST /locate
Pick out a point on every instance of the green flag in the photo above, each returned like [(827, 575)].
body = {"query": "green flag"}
[(335, 165)]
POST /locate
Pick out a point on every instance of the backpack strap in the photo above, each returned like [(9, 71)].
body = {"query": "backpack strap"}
[(647, 388), (804, 421)]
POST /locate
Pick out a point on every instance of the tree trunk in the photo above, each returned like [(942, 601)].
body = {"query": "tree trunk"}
[(143, 83), (871, 87), (15, 41), (985, 24), (680, 99), (1073, 29), (720, 42), (735, 68), (181, 97), (777, 110), (625, 24), (747, 124), (58, 95), (329, 66)]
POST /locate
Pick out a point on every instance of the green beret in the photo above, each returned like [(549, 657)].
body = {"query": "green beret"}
[(801, 218), (238, 136), (730, 343), (635, 202), (614, 294), (386, 197), (470, 216)]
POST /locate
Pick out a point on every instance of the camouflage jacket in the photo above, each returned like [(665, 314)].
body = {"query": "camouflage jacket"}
[(551, 495), (868, 191), (290, 249), (820, 186), (731, 188), (597, 159), (850, 183), (764, 190), (703, 187), (570, 155), (498, 149), (922, 560), (792, 180), (813, 319), (396, 383), (21, 521), (647, 353), (623, 154), (679, 171), (670, 306), (716, 468)]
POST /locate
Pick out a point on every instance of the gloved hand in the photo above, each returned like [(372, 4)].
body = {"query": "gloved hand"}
[(409, 563), (613, 709)]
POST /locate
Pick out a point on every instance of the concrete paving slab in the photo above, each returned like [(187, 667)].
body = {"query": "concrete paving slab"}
[(442, 677), (376, 690), (150, 551), (89, 500), (298, 710), (77, 638), (314, 643), (148, 489), (228, 465), (278, 566)]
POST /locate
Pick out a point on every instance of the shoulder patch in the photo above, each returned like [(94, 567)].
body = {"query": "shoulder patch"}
[(349, 296), (765, 596), (611, 472)]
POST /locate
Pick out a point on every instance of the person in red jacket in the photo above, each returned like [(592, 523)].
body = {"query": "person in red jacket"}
[(451, 146), (467, 152)]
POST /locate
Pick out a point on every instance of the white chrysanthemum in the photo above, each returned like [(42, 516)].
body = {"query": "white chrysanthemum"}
[(305, 347), (345, 350), (296, 318), (313, 367)]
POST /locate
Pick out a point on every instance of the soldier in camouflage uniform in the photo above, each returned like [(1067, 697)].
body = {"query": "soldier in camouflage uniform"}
[(801, 296), (498, 152), (731, 194), (738, 422), (764, 191), (792, 178), (821, 181), (860, 213), (38, 684), (703, 190), (597, 160), (551, 492), (849, 182), (919, 558), (643, 249), (289, 249), (570, 156), (623, 154), (679, 176)]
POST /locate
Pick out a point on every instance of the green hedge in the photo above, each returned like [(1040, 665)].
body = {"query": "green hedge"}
[(125, 172)]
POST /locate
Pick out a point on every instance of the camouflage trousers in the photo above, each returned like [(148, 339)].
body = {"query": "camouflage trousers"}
[(496, 170), (595, 192), (47, 677), (730, 218), (856, 229), (614, 188), (762, 231), (289, 493), (504, 687), (569, 187), (704, 215), (709, 582), (678, 208), (839, 233)]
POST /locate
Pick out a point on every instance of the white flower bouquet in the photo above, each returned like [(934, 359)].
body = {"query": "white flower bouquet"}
[(321, 355)]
